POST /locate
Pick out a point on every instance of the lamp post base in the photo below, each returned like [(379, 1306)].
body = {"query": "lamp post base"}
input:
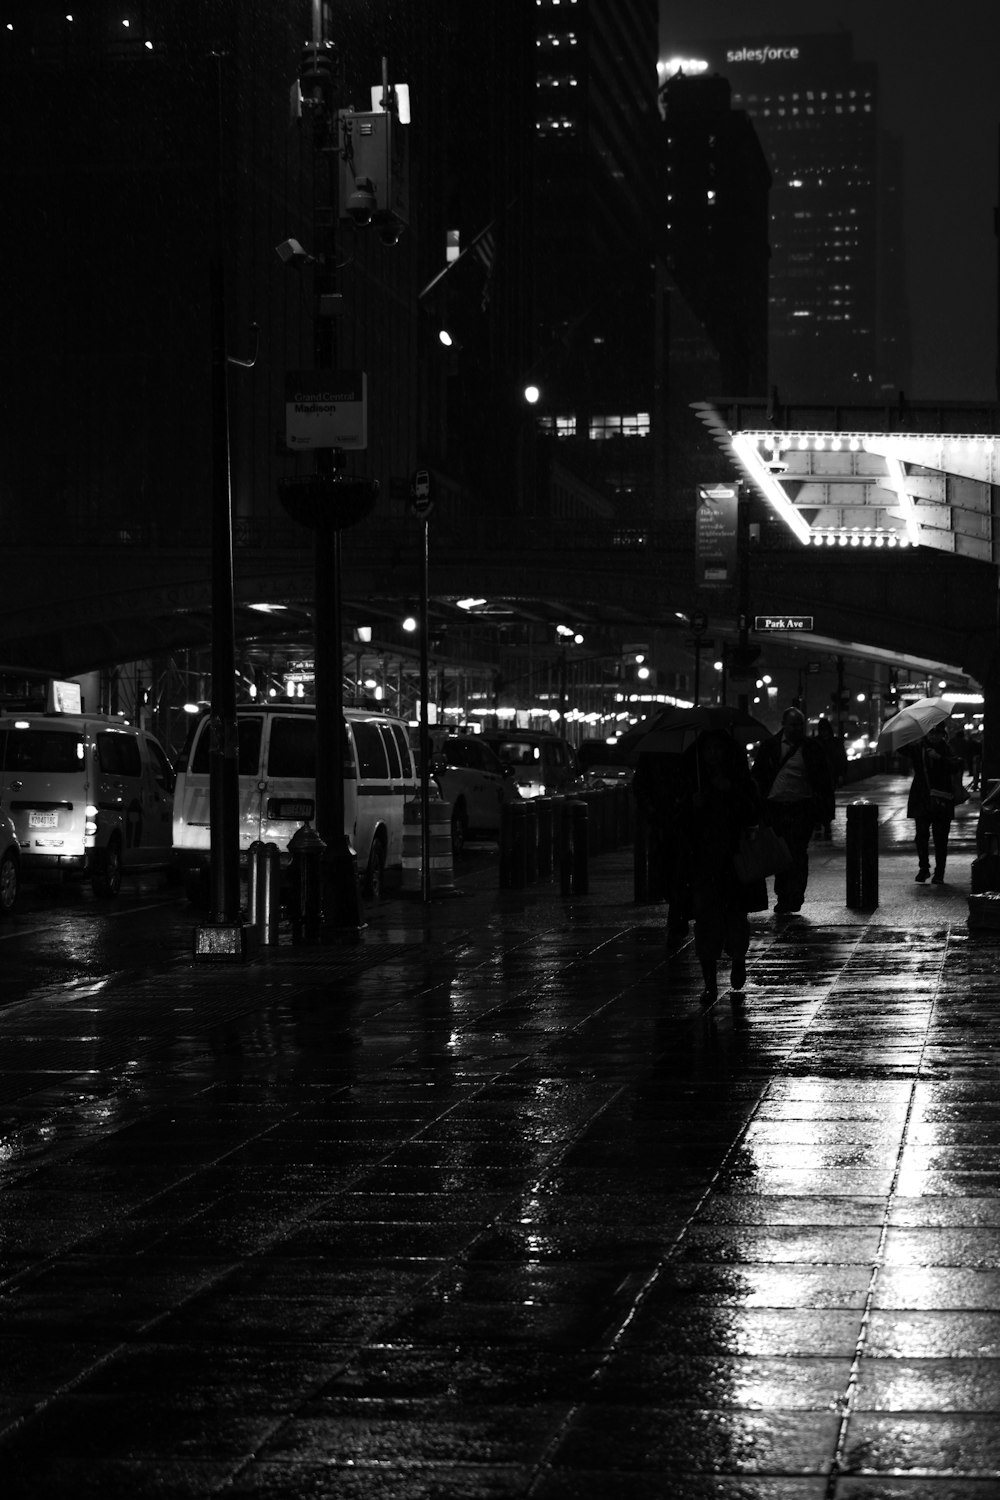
[(226, 942), (342, 918)]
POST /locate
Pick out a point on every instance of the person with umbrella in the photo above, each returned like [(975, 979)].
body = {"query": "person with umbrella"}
[(719, 800), (794, 778), (931, 801)]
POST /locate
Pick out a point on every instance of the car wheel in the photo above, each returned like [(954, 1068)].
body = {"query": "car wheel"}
[(374, 884), (107, 875), (459, 828), (10, 874)]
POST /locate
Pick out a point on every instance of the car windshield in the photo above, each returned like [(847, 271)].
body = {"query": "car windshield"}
[(517, 752)]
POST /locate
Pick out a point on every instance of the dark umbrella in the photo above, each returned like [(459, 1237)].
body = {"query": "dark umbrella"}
[(670, 730)]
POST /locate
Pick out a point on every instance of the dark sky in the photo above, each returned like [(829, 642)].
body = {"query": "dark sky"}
[(939, 82)]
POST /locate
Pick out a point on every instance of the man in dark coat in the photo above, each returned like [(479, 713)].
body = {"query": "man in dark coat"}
[(793, 775)]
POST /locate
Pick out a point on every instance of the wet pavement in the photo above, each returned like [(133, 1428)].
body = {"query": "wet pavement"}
[(489, 1205)]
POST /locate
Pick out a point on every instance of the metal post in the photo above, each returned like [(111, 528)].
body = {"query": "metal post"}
[(340, 896), (224, 880), (862, 855), (425, 731), (743, 606), (225, 935)]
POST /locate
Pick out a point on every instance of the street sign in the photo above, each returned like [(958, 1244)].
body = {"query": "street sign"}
[(421, 503), (715, 536), (326, 409), (783, 622)]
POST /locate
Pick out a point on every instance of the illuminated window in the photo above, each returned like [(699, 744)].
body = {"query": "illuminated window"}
[(636, 425), (453, 244)]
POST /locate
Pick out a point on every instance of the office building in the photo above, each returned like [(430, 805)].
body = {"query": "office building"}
[(713, 212), (837, 329), (594, 198)]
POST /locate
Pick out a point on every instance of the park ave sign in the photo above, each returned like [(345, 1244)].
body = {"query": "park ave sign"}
[(783, 622)]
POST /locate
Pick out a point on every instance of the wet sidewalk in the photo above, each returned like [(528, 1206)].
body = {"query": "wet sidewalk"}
[(489, 1205)]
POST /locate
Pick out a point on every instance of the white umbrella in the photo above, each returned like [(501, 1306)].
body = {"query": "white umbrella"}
[(912, 723)]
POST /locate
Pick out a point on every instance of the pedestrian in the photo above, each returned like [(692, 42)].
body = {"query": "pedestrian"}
[(793, 776), (931, 802), (836, 755), (718, 802)]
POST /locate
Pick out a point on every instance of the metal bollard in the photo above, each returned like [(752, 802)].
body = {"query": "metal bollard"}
[(608, 819), (530, 842), (862, 855), (642, 884), (545, 815), (513, 850), (564, 846), (581, 849), (264, 890), (307, 850), (573, 848)]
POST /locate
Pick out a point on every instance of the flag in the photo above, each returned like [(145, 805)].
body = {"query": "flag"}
[(484, 246)]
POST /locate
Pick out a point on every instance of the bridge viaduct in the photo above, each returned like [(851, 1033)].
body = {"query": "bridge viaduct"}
[(104, 601)]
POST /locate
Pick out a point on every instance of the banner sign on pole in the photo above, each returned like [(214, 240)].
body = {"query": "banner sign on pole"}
[(326, 409), (715, 535)]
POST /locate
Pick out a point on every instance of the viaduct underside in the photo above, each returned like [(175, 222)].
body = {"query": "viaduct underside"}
[(105, 606)]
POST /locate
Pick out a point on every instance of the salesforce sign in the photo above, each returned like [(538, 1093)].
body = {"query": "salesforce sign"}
[(762, 54)]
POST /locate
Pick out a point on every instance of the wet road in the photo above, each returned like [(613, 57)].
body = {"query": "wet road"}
[(62, 934), (489, 1205)]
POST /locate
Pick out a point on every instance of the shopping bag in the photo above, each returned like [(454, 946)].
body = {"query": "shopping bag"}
[(762, 852)]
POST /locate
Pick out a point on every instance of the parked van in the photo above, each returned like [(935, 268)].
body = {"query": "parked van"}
[(277, 789), (87, 794)]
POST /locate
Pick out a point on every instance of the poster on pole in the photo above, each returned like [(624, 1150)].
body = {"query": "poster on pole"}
[(715, 535), (326, 409)]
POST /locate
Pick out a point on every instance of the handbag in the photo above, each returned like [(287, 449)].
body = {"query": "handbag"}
[(761, 852)]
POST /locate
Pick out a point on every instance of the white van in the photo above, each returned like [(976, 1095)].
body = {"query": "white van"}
[(277, 782), (87, 793)]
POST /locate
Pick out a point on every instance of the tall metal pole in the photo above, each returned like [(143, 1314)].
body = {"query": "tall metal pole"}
[(339, 892), (224, 936), (223, 796), (743, 603), (425, 731)]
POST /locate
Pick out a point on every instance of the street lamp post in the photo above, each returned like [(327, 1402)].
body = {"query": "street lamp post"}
[(224, 935)]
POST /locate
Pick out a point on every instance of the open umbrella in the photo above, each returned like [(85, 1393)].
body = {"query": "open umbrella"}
[(912, 723), (670, 730)]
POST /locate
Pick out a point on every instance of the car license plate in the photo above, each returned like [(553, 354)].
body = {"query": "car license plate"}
[(43, 820)]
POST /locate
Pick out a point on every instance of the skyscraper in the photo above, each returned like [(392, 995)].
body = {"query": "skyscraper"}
[(834, 335), (594, 221), (714, 217)]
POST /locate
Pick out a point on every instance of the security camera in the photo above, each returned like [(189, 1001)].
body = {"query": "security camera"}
[(362, 202), (291, 253), (389, 233), (775, 466)]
